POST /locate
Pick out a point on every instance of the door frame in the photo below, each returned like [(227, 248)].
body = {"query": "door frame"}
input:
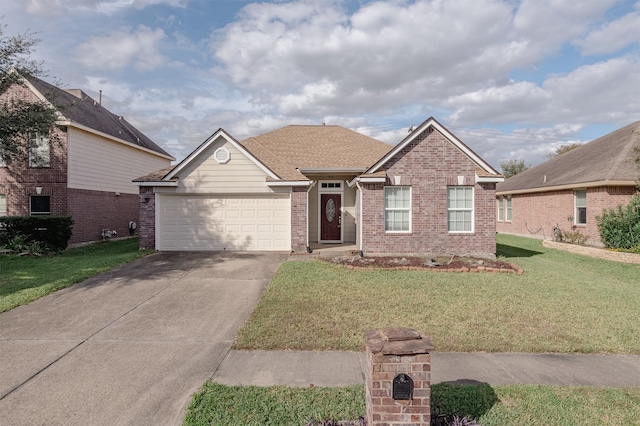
[(335, 187)]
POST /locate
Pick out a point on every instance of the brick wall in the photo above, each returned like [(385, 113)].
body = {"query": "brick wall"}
[(430, 164), (147, 222), (594, 252), (536, 214), (94, 211), (299, 226)]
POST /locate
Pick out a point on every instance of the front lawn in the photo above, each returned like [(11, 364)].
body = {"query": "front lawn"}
[(217, 404), (563, 303), (25, 278)]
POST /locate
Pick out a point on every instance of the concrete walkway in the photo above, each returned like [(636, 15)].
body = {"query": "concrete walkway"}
[(303, 368), (131, 346)]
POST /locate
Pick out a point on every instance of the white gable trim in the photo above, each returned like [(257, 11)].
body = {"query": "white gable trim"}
[(219, 133), (454, 140)]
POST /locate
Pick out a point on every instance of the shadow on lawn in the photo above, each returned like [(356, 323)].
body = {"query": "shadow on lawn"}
[(461, 398), (511, 251)]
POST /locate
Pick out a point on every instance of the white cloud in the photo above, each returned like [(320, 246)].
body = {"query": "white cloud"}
[(603, 91), (123, 48), (108, 7), (613, 36)]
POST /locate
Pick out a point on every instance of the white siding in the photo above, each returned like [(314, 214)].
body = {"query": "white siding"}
[(99, 164), (239, 175), (207, 222)]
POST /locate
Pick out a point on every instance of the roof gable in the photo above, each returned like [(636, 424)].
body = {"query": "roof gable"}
[(608, 160), (80, 110), (201, 150), (431, 122)]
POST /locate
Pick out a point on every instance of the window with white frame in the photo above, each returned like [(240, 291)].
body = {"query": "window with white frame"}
[(39, 150), (460, 208), (508, 207), (3, 205), (397, 209), (501, 208), (39, 205), (580, 197)]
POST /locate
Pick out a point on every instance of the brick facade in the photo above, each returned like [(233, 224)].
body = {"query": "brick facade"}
[(299, 219), (429, 165), (535, 214)]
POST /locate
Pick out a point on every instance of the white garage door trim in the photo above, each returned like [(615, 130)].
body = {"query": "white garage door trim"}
[(223, 222)]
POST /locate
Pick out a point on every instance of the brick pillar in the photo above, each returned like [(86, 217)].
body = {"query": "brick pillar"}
[(147, 222), (391, 352), (299, 219)]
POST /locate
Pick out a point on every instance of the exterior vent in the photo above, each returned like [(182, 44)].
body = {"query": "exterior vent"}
[(222, 155)]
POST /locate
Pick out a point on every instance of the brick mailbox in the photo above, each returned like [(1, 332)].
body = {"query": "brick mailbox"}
[(398, 377)]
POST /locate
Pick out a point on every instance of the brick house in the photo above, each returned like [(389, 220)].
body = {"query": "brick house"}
[(82, 169), (303, 186), (571, 189)]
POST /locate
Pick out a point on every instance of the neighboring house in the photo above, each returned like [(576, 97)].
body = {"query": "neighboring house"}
[(571, 189), (82, 169), (300, 186)]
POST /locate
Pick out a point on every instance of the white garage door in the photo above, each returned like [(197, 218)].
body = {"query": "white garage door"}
[(223, 223)]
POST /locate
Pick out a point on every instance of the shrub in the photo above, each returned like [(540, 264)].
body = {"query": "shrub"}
[(52, 231), (620, 228)]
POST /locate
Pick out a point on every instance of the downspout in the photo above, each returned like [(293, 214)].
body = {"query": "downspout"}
[(360, 220), (307, 214)]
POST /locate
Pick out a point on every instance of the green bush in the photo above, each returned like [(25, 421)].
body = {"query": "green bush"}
[(52, 231), (620, 228)]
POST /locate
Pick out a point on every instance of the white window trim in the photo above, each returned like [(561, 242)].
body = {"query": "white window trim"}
[(338, 191), (472, 210), (575, 206), (501, 209), (398, 209), (508, 208)]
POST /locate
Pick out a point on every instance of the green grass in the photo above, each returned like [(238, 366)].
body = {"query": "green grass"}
[(217, 404), (24, 278), (563, 303)]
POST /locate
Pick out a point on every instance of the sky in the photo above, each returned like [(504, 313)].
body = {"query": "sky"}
[(512, 79)]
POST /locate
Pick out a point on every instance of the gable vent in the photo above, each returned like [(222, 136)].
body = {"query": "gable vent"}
[(222, 155)]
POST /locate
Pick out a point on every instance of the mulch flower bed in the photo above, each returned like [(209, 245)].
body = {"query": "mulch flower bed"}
[(439, 264)]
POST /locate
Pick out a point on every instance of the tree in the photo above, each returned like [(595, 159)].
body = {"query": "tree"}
[(19, 118), (513, 167), (562, 149)]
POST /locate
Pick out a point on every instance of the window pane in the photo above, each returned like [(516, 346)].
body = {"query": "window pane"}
[(460, 208), (508, 208), (39, 150), (500, 208), (397, 205), (40, 204), (3, 205)]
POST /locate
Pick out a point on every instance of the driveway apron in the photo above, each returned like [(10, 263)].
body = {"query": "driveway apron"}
[(129, 346)]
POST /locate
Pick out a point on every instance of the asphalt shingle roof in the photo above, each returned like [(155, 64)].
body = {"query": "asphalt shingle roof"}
[(285, 150), (608, 158), (89, 113)]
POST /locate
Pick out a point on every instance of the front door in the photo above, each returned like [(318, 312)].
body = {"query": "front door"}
[(330, 217)]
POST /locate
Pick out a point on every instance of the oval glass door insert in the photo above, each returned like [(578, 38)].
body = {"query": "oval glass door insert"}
[(330, 210)]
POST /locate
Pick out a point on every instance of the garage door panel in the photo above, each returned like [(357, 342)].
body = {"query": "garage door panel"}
[(230, 223)]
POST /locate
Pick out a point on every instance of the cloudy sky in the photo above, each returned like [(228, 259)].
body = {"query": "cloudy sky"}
[(514, 79)]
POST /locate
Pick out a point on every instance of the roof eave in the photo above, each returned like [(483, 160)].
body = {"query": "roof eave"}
[(577, 185), (289, 183), (157, 183), (69, 123), (326, 170)]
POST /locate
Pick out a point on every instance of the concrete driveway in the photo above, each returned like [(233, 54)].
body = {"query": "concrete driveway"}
[(130, 346)]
